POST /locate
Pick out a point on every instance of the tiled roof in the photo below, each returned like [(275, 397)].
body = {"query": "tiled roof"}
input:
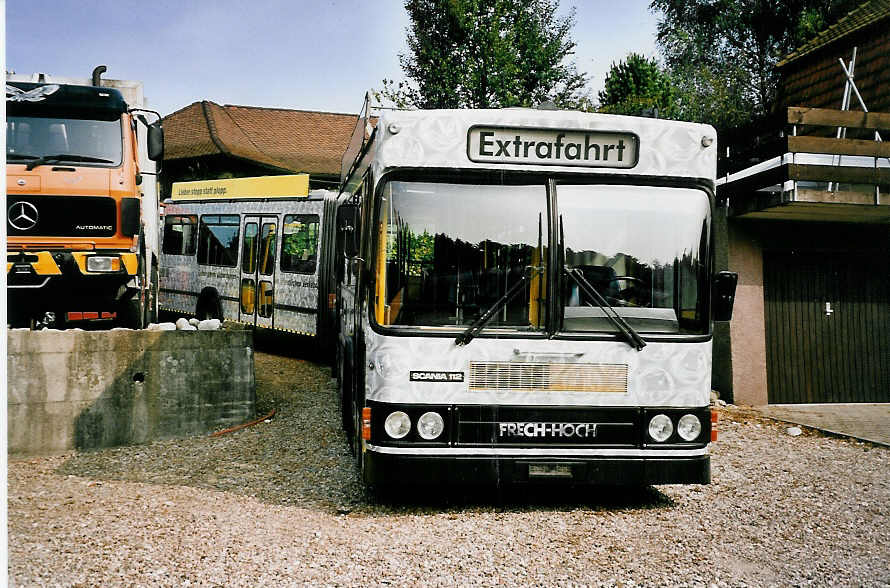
[(867, 14), (291, 140)]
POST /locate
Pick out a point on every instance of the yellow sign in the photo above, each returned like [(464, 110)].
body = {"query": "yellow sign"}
[(260, 187)]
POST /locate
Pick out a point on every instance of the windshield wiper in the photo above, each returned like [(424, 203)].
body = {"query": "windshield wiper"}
[(64, 157), (20, 156), (633, 338), (474, 329)]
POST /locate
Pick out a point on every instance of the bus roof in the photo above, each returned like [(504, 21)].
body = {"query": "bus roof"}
[(287, 186), (526, 139)]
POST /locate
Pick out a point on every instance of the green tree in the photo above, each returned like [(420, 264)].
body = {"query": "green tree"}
[(635, 85), (722, 53), (487, 54)]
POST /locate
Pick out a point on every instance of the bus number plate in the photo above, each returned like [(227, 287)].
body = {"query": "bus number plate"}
[(549, 470)]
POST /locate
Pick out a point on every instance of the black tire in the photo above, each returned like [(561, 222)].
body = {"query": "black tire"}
[(209, 306), (373, 493), (151, 303), (129, 314), (344, 391), (356, 438)]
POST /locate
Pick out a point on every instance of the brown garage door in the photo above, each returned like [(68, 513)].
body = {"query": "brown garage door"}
[(827, 327)]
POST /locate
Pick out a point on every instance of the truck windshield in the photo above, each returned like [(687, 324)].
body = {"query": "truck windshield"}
[(94, 142), (449, 253)]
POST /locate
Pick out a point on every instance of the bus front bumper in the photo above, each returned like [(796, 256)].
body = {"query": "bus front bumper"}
[(383, 468)]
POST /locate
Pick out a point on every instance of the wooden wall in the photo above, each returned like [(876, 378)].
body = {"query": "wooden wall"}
[(817, 79)]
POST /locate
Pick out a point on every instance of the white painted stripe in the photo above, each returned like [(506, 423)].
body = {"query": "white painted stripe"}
[(534, 452)]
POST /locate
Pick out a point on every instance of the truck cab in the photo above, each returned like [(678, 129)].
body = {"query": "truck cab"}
[(74, 207)]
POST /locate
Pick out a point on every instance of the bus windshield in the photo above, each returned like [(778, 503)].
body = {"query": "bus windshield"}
[(448, 253), (643, 249), (95, 142)]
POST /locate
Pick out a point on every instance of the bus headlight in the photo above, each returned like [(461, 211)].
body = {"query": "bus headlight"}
[(100, 263), (430, 425), (397, 424), (661, 428), (689, 427)]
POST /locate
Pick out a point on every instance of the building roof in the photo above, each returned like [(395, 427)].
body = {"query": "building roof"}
[(290, 140), (866, 15)]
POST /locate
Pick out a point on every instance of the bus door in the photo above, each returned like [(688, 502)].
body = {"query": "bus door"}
[(258, 251)]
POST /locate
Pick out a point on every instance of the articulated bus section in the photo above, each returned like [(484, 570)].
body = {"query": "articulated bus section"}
[(249, 250)]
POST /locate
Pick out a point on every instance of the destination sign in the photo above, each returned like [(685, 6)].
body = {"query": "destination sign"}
[(552, 147)]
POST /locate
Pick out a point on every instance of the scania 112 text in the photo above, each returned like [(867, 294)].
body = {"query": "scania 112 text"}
[(528, 296), (82, 204)]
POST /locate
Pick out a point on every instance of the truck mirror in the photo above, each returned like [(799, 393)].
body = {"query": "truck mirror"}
[(723, 294), (155, 141)]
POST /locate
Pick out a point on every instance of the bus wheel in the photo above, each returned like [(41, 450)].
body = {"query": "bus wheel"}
[(344, 393), (209, 306), (356, 437), (373, 493)]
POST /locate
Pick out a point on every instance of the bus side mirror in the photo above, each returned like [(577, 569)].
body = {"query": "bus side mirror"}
[(155, 141), (349, 220), (723, 294)]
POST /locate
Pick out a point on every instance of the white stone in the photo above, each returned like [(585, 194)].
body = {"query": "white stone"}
[(794, 431), (209, 325), (194, 322), (182, 323), (188, 328), (166, 327)]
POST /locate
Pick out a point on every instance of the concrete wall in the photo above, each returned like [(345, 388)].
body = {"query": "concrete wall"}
[(86, 390), (747, 329)]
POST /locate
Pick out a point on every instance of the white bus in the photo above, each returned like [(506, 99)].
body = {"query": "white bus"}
[(249, 250), (528, 295)]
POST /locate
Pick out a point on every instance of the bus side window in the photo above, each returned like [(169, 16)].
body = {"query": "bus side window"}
[(180, 236), (265, 299), (218, 240), (268, 242), (248, 249), (299, 246)]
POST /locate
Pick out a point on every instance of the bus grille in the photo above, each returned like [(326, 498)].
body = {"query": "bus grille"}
[(548, 377)]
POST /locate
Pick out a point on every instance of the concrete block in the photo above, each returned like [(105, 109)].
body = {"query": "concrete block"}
[(92, 389)]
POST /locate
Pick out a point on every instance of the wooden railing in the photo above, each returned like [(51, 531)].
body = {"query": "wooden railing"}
[(820, 117), (810, 131)]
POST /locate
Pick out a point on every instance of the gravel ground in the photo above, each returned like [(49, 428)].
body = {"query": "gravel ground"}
[(280, 504)]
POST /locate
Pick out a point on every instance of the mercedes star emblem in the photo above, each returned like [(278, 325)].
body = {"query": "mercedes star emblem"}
[(22, 216)]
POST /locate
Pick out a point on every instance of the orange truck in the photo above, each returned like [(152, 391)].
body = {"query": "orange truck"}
[(81, 210)]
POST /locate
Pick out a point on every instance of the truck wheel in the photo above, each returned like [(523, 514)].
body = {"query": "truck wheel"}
[(129, 314), (151, 302)]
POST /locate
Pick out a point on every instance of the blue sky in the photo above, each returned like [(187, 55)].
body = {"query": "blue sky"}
[(319, 55)]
